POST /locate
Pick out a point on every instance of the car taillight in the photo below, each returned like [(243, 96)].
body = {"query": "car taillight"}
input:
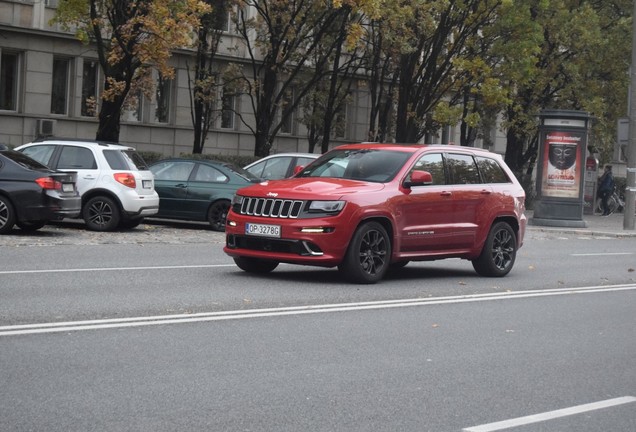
[(49, 183), (126, 179)]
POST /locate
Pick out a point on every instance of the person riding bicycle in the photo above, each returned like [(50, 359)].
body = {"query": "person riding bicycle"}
[(606, 188)]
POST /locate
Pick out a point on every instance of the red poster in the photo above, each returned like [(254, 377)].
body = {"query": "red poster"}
[(562, 164)]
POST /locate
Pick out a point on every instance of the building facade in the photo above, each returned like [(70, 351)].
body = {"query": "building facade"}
[(50, 86)]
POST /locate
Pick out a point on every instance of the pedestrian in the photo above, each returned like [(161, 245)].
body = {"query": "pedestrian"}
[(606, 188)]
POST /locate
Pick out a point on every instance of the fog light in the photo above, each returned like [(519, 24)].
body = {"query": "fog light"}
[(315, 230), (231, 223)]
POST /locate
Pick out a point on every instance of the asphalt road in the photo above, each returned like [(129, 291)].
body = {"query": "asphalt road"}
[(156, 330)]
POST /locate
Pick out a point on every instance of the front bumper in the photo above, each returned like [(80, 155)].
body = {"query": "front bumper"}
[(326, 248)]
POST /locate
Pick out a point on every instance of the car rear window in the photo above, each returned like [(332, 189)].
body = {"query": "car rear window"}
[(24, 160), (491, 171), (125, 160)]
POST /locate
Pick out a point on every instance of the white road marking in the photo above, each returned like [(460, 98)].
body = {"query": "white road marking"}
[(602, 254), (96, 269), (537, 418), (54, 327)]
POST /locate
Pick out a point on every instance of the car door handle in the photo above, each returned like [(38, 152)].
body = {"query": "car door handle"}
[(486, 192), (446, 193), (181, 185)]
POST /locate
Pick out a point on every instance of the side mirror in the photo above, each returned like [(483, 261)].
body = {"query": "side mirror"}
[(419, 178), (298, 169)]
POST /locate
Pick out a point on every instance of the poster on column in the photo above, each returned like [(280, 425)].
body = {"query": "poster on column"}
[(562, 164)]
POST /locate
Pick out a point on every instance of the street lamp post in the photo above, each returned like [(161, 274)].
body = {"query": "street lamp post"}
[(630, 190)]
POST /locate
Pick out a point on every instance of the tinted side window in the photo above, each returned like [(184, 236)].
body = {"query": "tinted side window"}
[(174, 171), (491, 171), (41, 153), (76, 158), (462, 169), (434, 164), (207, 173)]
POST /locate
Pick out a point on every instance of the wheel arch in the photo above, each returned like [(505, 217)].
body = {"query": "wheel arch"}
[(102, 192), (386, 223)]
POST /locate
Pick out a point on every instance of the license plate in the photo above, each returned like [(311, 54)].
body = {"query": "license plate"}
[(147, 184), (262, 230), (68, 187)]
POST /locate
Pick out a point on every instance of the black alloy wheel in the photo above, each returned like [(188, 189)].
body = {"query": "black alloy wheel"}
[(217, 214), (499, 252), (101, 213), (368, 256)]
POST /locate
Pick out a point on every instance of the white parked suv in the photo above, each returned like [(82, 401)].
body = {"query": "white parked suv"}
[(116, 186)]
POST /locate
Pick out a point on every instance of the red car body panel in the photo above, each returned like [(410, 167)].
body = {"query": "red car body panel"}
[(424, 223)]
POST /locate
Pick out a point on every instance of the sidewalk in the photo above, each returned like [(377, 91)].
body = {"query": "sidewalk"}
[(611, 225)]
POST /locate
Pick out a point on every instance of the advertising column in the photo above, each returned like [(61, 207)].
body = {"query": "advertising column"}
[(561, 168)]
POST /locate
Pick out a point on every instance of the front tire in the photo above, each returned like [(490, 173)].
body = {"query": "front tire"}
[(7, 215), (499, 252), (367, 258), (101, 214), (255, 265), (217, 214)]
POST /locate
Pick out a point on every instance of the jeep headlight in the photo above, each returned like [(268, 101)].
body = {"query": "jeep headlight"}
[(237, 200), (326, 206)]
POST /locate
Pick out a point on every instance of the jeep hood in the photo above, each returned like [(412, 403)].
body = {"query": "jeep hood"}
[(309, 188)]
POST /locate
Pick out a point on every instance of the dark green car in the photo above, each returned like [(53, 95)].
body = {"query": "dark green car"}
[(198, 190)]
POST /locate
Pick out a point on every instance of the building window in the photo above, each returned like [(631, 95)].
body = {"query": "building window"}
[(287, 117), (89, 88), (228, 108), (162, 100), (447, 135), (59, 91), (222, 19), (339, 127), (9, 81), (131, 111)]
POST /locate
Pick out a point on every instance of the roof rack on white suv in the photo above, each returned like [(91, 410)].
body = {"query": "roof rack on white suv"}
[(116, 186)]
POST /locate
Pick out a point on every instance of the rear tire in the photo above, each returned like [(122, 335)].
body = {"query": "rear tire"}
[(30, 226), (217, 214), (7, 215), (130, 223), (255, 265), (367, 258), (101, 213), (499, 252)]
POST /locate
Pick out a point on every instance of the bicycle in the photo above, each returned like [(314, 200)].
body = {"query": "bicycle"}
[(615, 203)]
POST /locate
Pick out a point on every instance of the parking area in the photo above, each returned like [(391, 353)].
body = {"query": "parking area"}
[(151, 231)]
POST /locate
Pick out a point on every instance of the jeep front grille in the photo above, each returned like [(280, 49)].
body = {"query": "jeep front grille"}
[(269, 207)]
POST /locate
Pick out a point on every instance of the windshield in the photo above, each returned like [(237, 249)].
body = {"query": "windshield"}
[(370, 165)]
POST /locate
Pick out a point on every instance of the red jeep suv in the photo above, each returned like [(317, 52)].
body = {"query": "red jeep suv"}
[(368, 208)]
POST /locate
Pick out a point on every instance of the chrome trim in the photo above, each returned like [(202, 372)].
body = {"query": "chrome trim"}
[(270, 207), (310, 251)]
